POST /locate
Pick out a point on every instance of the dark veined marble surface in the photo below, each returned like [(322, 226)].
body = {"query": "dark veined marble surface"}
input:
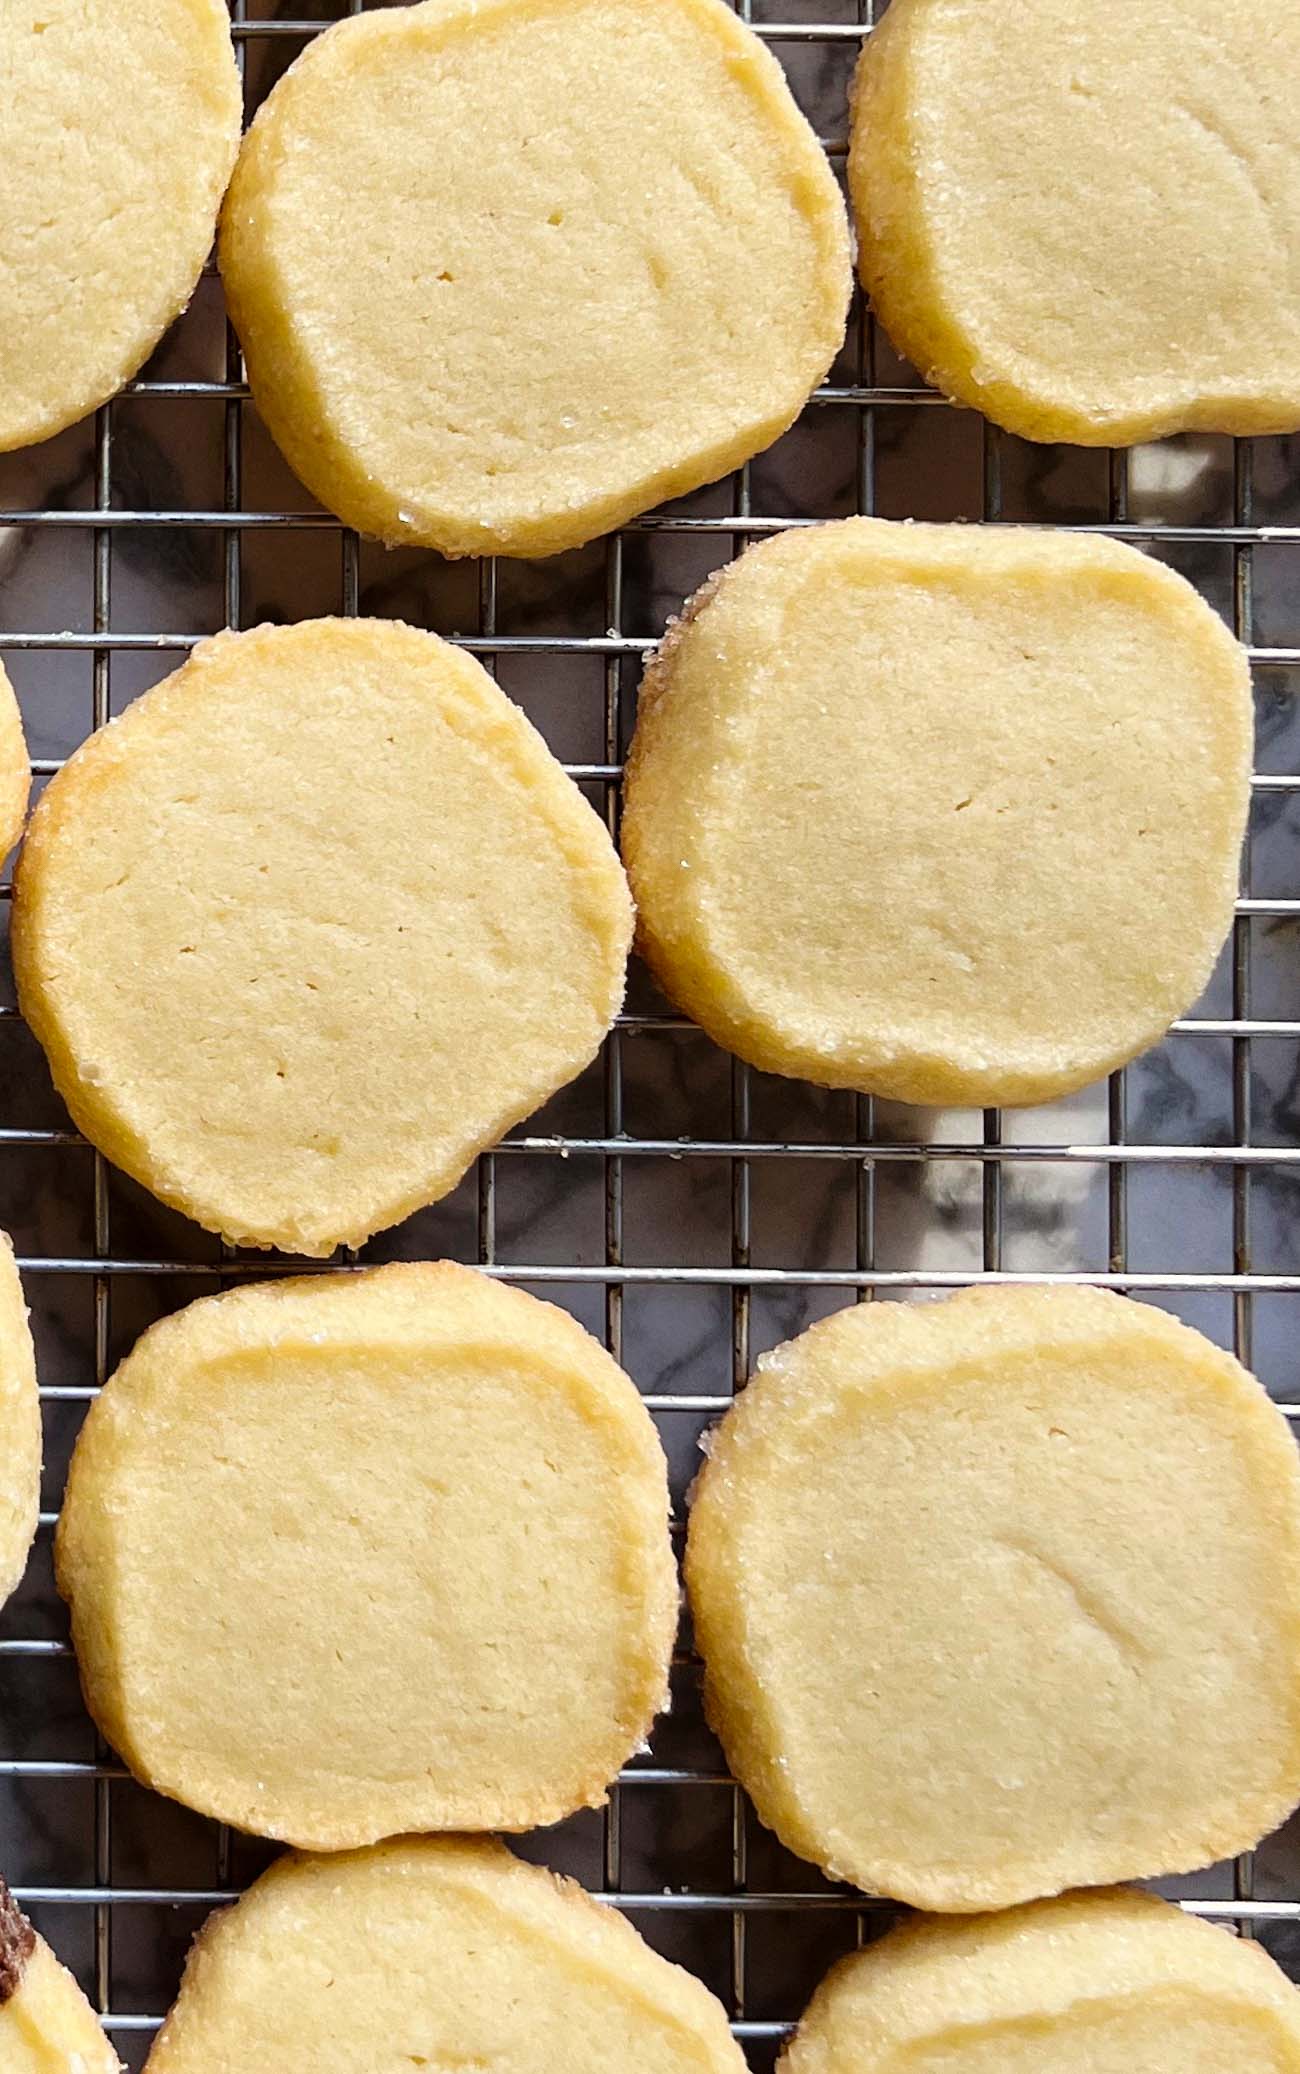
[(918, 1210)]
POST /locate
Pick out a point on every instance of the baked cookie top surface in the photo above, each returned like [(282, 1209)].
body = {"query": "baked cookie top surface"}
[(1001, 1595), (349, 1556), (445, 1951), (315, 921), (1085, 220), (20, 1427), (46, 2024), (118, 130), (946, 814), (1090, 1984), (508, 272)]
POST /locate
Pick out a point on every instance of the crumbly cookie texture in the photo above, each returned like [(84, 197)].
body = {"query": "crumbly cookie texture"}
[(354, 1555), (118, 131), (508, 272), (1089, 1984), (317, 920), (1085, 221), (946, 814), (445, 1951), (46, 2024), (1001, 1595), (20, 1427)]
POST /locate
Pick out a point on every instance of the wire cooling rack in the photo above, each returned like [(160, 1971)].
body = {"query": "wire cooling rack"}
[(690, 1211)]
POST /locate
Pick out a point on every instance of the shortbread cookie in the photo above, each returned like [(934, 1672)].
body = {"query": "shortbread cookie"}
[(354, 1555), (15, 769), (1085, 219), (1116, 1983), (119, 125), (317, 920), (942, 813), (444, 1953), (20, 1427), (1002, 1595), (46, 2024), (507, 272)]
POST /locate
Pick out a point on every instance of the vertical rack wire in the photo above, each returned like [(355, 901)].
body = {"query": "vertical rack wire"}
[(1117, 1086), (741, 1254), (612, 1831), (486, 1165), (1243, 620), (991, 1169), (864, 1106), (349, 542), (102, 551), (232, 492)]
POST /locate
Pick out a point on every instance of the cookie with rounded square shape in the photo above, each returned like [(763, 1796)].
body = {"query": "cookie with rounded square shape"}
[(942, 813), (1090, 1984), (20, 1427), (46, 2024), (447, 1952), (508, 272), (311, 925), (1001, 1595), (118, 130), (348, 1556), (1085, 221)]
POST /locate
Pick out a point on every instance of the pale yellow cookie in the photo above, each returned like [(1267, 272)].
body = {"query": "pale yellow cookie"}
[(943, 813), (1085, 219), (15, 768), (353, 1555), (46, 2024), (1112, 1983), (314, 922), (20, 1427), (1001, 1595), (119, 124), (507, 272), (437, 1953)]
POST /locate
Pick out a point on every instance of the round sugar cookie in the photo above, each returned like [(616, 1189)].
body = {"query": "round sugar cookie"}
[(119, 125), (1085, 220), (348, 1556), (46, 2024), (440, 1952), (1001, 1595), (15, 768), (947, 814), (314, 922), (1090, 1984), (20, 1427), (508, 272)]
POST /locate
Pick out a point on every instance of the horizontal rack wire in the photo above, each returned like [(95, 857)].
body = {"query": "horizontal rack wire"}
[(113, 518), (770, 32)]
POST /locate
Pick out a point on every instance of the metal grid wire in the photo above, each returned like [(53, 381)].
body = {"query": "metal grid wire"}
[(691, 1210)]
